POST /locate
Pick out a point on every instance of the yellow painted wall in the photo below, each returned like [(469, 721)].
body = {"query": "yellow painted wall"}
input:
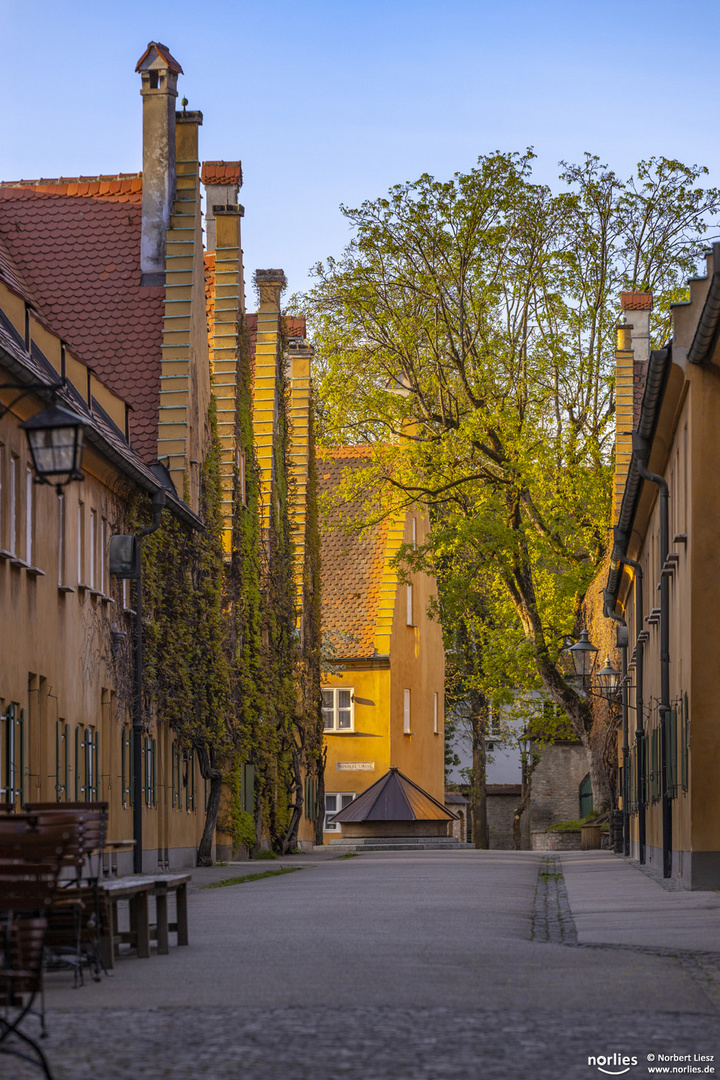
[(414, 660)]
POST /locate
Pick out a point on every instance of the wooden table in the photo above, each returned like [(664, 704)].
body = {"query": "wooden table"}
[(137, 889)]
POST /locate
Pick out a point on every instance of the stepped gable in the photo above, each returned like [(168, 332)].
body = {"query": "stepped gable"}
[(76, 245), (394, 797), (352, 563)]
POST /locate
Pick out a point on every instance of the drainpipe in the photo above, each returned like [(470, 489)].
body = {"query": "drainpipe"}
[(639, 705), (641, 449), (158, 501), (622, 644)]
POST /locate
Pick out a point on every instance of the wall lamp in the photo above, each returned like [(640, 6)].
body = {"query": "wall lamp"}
[(55, 437), (584, 657)]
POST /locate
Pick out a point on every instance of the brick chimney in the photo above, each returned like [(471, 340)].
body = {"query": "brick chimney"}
[(159, 71), (222, 180)]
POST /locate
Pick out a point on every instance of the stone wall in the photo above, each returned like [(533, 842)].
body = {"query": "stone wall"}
[(556, 784), (502, 799)]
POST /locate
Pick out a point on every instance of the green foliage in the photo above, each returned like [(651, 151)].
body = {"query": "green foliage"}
[(186, 673), (489, 302), (577, 823)]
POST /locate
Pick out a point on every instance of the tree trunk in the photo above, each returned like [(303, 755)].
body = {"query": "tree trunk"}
[(478, 779), (527, 770), (602, 791), (289, 842), (209, 771), (320, 798)]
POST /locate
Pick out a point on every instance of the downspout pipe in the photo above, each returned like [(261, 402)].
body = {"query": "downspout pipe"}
[(158, 502), (639, 699), (622, 643), (641, 451)]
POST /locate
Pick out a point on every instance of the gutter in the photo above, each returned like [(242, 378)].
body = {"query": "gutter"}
[(707, 330), (26, 370)]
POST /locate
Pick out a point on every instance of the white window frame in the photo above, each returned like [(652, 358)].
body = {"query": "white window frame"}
[(29, 508), (335, 827), (102, 581), (12, 534), (61, 539), (91, 548), (335, 691), (409, 605), (81, 543), (436, 729), (406, 712)]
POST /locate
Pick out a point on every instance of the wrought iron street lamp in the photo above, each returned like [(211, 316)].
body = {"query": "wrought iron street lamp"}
[(55, 438), (583, 654), (608, 679)]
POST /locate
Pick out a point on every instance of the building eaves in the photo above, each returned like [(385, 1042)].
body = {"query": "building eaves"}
[(100, 431), (707, 330), (656, 381)]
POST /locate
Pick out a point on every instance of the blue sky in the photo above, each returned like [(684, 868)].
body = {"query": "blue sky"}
[(329, 102)]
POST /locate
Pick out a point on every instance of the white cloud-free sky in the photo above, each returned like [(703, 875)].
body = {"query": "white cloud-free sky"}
[(327, 101)]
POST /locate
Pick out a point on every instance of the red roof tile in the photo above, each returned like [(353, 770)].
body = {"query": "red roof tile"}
[(80, 256), (351, 564), (222, 172), (636, 301)]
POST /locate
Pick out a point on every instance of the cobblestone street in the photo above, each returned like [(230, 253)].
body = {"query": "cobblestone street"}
[(467, 965)]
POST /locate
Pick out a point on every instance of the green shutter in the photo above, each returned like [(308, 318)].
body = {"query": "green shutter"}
[(671, 733), (249, 788), (684, 742)]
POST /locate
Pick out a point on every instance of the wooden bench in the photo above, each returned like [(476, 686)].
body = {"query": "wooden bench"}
[(137, 890)]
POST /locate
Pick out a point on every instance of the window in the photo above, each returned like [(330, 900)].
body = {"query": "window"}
[(310, 796), (337, 709), (414, 533), (406, 712), (435, 714), (91, 552), (62, 761), (334, 802), (12, 754), (127, 780), (12, 499), (183, 778), (87, 764), (102, 580), (409, 605), (149, 770), (29, 501), (81, 543), (61, 539)]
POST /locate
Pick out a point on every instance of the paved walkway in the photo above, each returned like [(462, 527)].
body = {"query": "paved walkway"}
[(410, 966)]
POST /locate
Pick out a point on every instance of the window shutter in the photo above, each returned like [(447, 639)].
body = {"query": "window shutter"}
[(249, 789)]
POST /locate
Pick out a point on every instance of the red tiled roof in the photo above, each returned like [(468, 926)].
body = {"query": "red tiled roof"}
[(222, 172), (76, 243), (351, 563), (165, 53)]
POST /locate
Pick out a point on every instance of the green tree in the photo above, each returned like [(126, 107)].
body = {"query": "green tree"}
[(489, 303)]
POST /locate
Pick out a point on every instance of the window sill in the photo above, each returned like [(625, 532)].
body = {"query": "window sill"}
[(34, 571), (65, 589), (83, 588), (6, 554), (105, 599), (18, 564), (345, 731)]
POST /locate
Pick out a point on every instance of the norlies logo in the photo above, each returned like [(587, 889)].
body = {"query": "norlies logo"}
[(619, 1064)]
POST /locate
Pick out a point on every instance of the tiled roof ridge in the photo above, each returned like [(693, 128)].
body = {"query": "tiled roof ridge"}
[(71, 179), (360, 450)]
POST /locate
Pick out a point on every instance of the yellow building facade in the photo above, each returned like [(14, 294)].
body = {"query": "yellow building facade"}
[(663, 583), (383, 685)]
